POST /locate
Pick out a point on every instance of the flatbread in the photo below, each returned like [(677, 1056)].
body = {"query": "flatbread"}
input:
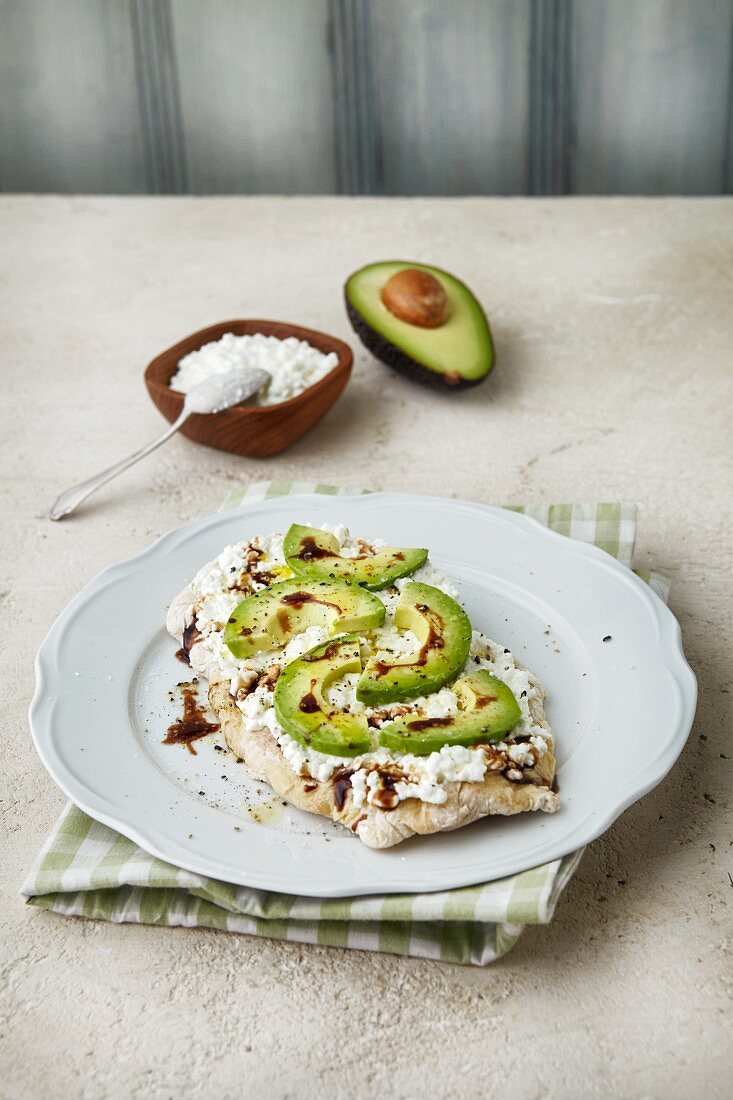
[(333, 798)]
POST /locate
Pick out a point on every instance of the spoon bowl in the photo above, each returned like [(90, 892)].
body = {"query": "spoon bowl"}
[(222, 391)]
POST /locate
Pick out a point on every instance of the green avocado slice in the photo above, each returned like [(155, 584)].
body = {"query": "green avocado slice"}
[(443, 631), (315, 554), (301, 699), (458, 352), (271, 618), (487, 710)]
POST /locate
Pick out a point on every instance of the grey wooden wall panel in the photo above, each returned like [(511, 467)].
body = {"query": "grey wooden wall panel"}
[(652, 99), (68, 104), (357, 122), (551, 97), (256, 95), (367, 96), (452, 87), (159, 99)]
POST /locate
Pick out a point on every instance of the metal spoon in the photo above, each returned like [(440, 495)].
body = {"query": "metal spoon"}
[(213, 395)]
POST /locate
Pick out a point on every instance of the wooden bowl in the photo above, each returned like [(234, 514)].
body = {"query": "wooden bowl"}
[(252, 430)]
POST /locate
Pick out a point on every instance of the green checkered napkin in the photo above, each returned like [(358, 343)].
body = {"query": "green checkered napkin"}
[(88, 870)]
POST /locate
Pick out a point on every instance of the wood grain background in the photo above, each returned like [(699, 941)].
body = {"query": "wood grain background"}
[(376, 97)]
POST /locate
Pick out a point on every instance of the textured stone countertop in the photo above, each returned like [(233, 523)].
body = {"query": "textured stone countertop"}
[(614, 329)]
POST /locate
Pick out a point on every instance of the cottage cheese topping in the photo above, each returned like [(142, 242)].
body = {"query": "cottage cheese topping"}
[(248, 567), (294, 364)]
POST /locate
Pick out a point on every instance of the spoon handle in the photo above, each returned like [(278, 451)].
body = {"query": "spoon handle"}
[(69, 501)]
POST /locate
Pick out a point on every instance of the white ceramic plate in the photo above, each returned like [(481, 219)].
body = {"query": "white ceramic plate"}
[(621, 709)]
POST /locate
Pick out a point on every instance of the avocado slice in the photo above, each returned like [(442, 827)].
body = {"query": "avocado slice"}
[(443, 630), (272, 617), (487, 710), (421, 321), (315, 554), (301, 699)]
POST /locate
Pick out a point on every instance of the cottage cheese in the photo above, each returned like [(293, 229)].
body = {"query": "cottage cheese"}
[(218, 590), (293, 364)]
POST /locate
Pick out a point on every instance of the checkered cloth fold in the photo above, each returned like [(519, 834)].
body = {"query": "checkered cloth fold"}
[(88, 870)]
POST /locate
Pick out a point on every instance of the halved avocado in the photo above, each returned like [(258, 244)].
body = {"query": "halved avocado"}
[(301, 699), (421, 321), (315, 554), (487, 710), (272, 617), (443, 631)]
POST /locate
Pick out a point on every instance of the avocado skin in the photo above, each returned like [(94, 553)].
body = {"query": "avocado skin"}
[(399, 360)]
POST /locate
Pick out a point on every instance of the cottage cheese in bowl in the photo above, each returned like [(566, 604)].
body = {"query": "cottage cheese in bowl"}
[(294, 364)]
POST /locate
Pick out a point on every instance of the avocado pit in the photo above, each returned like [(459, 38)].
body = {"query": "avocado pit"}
[(416, 297)]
